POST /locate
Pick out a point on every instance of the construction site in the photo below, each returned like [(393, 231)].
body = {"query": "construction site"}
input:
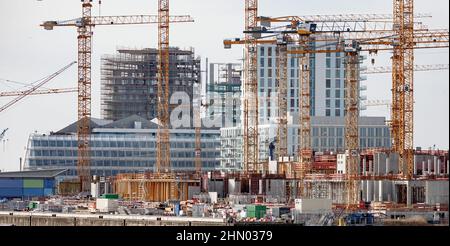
[(283, 160)]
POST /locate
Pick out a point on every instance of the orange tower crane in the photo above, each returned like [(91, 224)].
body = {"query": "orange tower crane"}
[(402, 119), (251, 99), (84, 26), (163, 136)]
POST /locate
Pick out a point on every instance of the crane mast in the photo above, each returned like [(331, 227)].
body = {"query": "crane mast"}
[(282, 84), (251, 114), (163, 136), (352, 126), (84, 96), (402, 118), (304, 141)]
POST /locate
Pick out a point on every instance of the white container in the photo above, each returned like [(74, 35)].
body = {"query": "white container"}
[(107, 205), (313, 206)]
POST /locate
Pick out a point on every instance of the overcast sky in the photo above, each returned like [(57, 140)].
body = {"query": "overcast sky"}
[(28, 53)]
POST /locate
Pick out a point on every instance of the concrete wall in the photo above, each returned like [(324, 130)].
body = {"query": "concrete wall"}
[(20, 220), (436, 192)]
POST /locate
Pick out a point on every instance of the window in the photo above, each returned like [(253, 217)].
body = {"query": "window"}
[(379, 132), (323, 142), (262, 62), (337, 103), (337, 113), (331, 132), (261, 73), (315, 131), (332, 143), (269, 51), (340, 132), (328, 75), (363, 143), (338, 73), (328, 62), (340, 142), (269, 62), (316, 143), (338, 83), (328, 112), (328, 83), (328, 103), (338, 93), (292, 73), (270, 73), (262, 51), (363, 132), (292, 62), (328, 93), (338, 63)]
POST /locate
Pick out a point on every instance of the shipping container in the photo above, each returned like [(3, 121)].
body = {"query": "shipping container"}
[(33, 192), (11, 192), (48, 192), (256, 211), (110, 196), (33, 183), (11, 183), (49, 183)]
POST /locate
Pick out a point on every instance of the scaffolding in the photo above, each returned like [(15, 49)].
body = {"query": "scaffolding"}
[(129, 81)]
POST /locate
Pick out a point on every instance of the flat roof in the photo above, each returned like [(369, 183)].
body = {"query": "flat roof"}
[(50, 173)]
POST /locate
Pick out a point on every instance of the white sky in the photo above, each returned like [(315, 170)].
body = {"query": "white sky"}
[(28, 53)]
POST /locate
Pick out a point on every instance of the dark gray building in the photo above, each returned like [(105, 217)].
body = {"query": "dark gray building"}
[(129, 81)]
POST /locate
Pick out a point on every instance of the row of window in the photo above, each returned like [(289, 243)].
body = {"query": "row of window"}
[(116, 163), (339, 132), (118, 144), (119, 153), (339, 142)]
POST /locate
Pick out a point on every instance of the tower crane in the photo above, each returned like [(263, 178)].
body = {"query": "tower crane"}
[(2, 135), (38, 92), (417, 68), (34, 88), (85, 25), (357, 41)]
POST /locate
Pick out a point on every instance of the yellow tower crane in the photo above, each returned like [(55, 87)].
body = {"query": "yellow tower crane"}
[(84, 26)]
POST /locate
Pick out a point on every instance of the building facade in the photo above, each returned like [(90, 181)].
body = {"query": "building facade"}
[(327, 74), (124, 146), (328, 135), (224, 92), (129, 81)]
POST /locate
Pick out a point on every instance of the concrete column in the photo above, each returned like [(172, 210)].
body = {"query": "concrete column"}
[(370, 167), (415, 165), (424, 173), (448, 162), (429, 167), (380, 190), (436, 171), (388, 165), (408, 195), (368, 193), (364, 167)]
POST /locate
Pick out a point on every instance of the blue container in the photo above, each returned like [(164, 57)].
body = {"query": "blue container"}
[(33, 192), (49, 183), (176, 209), (11, 192), (48, 192), (11, 183)]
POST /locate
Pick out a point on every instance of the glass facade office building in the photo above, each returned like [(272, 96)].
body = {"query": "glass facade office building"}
[(117, 150)]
